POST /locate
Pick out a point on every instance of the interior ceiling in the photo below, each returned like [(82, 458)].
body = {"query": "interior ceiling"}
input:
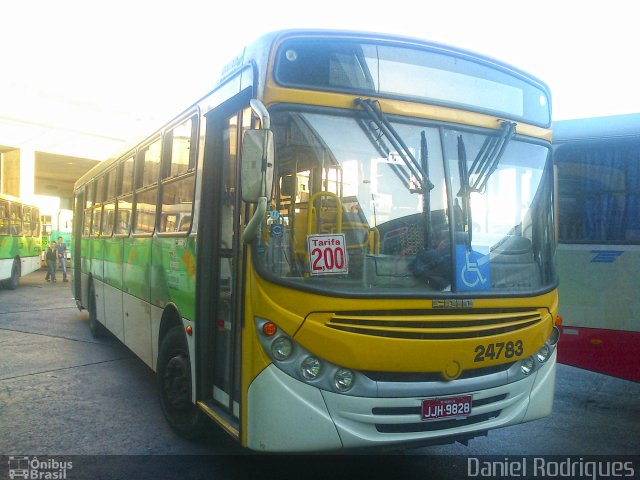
[(56, 174)]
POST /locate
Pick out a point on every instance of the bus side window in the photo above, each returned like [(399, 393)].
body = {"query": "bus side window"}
[(123, 215), (107, 220), (86, 225), (16, 219), (145, 211), (177, 198), (178, 182), (4, 217)]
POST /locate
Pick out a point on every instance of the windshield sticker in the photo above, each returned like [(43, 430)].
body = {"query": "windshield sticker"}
[(276, 230), (473, 271), (327, 254)]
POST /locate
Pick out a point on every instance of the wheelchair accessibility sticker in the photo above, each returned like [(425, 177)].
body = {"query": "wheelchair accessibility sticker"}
[(473, 271)]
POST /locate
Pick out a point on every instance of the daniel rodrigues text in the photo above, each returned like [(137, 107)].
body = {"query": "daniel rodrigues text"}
[(570, 467)]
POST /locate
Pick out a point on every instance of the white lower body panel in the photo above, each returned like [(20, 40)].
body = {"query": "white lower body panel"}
[(5, 268), (28, 265), (285, 414)]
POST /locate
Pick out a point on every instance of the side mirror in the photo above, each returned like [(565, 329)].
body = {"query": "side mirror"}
[(258, 153)]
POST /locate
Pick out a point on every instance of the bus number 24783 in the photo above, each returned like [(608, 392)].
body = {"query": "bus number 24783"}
[(494, 351)]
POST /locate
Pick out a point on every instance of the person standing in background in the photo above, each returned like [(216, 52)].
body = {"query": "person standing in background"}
[(62, 255), (52, 260)]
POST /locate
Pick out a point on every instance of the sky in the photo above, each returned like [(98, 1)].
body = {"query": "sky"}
[(118, 69)]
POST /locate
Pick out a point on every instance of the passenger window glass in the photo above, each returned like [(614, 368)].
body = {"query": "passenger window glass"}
[(123, 215), (16, 219), (150, 158), (86, 225), (182, 156), (228, 196), (177, 198), (26, 221), (4, 218), (90, 195), (145, 211), (108, 217), (100, 189), (111, 184), (126, 176), (35, 223), (598, 195), (97, 221)]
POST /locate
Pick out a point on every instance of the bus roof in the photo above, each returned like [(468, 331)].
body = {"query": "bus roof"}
[(597, 128), (272, 37), (258, 51)]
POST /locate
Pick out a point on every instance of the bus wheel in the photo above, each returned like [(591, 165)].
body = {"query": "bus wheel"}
[(174, 382), (12, 283), (97, 329)]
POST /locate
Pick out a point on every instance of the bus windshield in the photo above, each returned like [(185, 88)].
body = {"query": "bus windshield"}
[(360, 211)]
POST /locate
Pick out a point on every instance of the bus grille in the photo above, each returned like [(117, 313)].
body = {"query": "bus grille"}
[(437, 425), (435, 325)]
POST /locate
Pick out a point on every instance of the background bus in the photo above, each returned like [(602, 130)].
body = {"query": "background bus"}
[(598, 164), (373, 266), (20, 243)]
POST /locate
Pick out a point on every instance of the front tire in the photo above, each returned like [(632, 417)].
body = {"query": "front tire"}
[(174, 383)]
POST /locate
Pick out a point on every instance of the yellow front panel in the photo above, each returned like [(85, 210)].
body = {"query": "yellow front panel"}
[(385, 338)]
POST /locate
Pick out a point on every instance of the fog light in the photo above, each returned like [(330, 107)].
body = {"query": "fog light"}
[(343, 380), (310, 368), (543, 354), (527, 365), (281, 348)]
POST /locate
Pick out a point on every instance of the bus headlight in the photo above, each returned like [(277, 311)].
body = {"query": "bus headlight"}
[(343, 380), (296, 361), (527, 365), (310, 368), (281, 348)]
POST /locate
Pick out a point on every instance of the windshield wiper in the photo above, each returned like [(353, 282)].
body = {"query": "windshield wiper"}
[(489, 156), (426, 198), (482, 167), (372, 109), (464, 193), (376, 137)]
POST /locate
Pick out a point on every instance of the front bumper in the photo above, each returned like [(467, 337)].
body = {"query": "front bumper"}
[(285, 414)]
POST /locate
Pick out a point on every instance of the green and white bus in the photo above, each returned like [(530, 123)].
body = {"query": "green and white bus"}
[(20, 242)]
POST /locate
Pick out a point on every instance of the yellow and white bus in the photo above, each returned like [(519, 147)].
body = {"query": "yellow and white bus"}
[(348, 243), (20, 242)]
